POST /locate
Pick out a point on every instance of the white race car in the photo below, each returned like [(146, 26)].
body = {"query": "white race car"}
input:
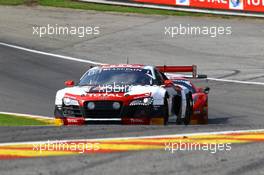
[(126, 94)]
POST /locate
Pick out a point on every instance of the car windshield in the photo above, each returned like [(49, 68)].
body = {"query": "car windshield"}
[(186, 84), (121, 76)]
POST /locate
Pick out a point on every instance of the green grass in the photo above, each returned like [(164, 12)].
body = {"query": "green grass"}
[(12, 2), (74, 4), (12, 120)]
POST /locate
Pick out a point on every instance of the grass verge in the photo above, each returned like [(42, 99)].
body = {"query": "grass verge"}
[(12, 120), (12, 2), (98, 7)]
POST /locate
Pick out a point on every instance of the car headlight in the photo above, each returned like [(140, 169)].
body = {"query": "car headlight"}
[(91, 105), (69, 101), (142, 101)]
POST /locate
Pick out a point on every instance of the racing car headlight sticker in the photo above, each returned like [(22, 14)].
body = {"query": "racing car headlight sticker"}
[(116, 105), (142, 101), (91, 105), (69, 101)]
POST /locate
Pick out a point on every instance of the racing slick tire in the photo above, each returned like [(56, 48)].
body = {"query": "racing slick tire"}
[(189, 110), (166, 111), (178, 120), (178, 110), (58, 113)]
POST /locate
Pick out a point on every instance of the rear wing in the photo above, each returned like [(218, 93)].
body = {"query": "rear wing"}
[(175, 69)]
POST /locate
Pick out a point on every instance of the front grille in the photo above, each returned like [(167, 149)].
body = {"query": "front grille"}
[(103, 109)]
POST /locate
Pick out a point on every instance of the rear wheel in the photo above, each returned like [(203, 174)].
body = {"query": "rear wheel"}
[(205, 115), (189, 110), (177, 109), (179, 120), (166, 111)]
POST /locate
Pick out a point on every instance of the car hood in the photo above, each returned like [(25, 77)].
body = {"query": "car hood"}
[(131, 90)]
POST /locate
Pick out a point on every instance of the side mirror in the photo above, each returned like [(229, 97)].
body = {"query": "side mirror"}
[(168, 83), (69, 83), (206, 90)]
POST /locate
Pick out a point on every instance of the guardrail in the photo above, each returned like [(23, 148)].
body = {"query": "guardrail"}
[(251, 8)]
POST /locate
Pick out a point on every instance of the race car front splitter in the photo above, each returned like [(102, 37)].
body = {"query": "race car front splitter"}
[(126, 121)]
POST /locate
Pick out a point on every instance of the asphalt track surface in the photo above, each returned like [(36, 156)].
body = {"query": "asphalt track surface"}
[(28, 83)]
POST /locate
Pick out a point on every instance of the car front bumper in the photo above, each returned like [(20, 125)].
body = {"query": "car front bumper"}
[(127, 115)]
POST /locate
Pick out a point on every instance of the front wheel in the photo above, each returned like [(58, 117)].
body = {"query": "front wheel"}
[(58, 112)]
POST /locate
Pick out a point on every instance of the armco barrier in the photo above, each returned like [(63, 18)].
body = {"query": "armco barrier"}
[(240, 5)]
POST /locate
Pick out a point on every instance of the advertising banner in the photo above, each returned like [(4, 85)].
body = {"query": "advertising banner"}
[(232, 5)]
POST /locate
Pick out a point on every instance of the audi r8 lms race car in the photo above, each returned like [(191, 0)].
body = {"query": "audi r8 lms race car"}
[(125, 94)]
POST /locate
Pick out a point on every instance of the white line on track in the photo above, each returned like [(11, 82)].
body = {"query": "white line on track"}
[(26, 115), (139, 137), (50, 54), (236, 81), (99, 63)]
